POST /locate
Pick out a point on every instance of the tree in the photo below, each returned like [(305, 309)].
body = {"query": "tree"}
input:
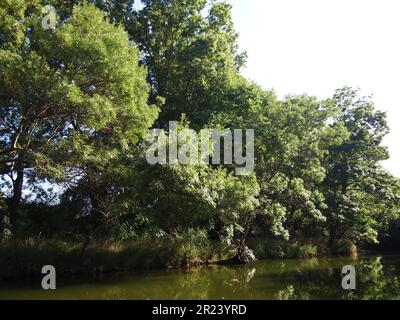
[(190, 57), (359, 194), (70, 99), (291, 140), (11, 28)]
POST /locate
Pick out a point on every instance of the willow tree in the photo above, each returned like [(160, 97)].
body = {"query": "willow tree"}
[(70, 98)]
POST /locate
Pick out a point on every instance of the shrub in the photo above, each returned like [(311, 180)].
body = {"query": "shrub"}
[(5, 226), (344, 248), (192, 245), (274, 249), (307, 251)]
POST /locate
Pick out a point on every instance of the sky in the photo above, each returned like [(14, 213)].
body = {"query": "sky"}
[(317, 46)]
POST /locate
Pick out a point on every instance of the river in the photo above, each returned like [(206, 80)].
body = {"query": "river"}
[(378, 277)]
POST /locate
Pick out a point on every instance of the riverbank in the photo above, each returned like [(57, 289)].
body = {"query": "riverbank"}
[(25, 259)]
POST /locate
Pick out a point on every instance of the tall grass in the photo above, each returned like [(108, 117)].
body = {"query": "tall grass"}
[(274, 249), (25, 259)]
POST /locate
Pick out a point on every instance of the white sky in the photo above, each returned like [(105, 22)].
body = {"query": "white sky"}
[(317, 46)]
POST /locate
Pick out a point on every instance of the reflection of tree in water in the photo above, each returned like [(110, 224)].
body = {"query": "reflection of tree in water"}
[(374, 282), (243, 277), (221, 283), (286, 294), (306, 279), (377, 278)]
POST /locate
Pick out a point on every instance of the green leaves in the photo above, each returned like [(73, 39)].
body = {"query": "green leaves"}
[(74, 96), (190, 55), (353, 169), (76, 102)]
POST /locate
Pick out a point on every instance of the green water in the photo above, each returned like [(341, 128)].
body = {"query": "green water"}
[(378, 277)]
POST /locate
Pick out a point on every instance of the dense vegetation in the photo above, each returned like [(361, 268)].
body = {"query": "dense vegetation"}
[(77, 102)]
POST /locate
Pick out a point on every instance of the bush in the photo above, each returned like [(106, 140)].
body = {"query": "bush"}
[(307, 251), (273, 249), (344, 248), (5, 226), (192, 245)]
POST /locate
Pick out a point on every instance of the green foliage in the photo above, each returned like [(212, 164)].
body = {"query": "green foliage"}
[(344, 248), (71, 99), (12, 28), (5, 227), (361, 197), (25, 259), (77, 101), (291, 141), (190, 55), (179, 196), (273, 249), (192, 245)]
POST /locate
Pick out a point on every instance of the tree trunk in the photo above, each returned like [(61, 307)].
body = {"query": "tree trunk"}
[(332, 236), (17, 196)]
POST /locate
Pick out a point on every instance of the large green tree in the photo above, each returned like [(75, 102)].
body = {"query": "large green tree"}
[(190, 55), (70, 98), (76, 101), (361, 197), (290, 141)]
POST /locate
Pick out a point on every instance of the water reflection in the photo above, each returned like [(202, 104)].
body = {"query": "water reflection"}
[(377, 278)]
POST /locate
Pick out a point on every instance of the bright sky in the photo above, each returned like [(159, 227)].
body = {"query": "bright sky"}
[(317, 46)]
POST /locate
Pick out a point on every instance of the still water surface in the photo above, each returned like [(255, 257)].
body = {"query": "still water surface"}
[(378, 277)]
